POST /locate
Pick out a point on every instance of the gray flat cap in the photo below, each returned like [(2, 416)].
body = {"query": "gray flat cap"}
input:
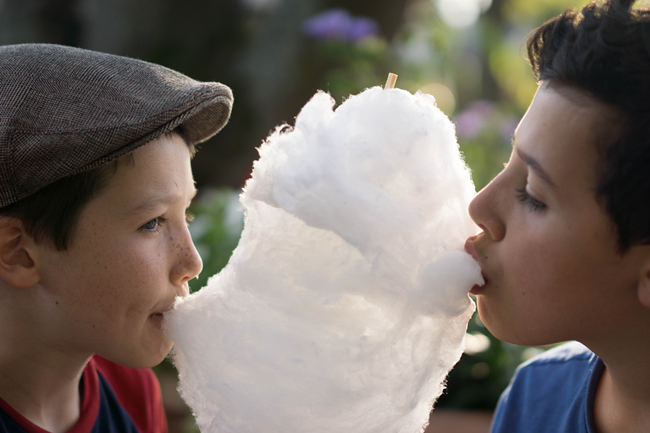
[(66, 110)]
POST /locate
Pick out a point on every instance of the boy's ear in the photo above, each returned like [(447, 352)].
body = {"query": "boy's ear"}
[(17, 265)]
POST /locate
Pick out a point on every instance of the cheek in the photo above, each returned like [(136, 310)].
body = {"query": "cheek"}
[(525, 253), (143, 271), (546, 266), (127, 270), (544, 243), (146, 264)]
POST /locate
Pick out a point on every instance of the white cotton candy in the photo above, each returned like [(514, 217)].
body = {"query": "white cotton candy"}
[(345, 304)]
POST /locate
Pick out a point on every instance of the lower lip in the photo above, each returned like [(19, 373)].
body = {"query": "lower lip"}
[(157, 318), (477, 290)]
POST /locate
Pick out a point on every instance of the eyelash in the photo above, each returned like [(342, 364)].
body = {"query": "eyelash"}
[(524, 197), (158, 221)]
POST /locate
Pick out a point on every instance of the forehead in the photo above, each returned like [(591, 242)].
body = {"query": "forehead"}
[(159, 170), (563, 131)]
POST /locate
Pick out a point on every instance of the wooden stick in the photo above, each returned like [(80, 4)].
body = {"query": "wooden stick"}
[(390, 82)]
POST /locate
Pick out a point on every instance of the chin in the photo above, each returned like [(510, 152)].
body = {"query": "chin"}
[(518, 335), (157, 358), (505, 332), (164, 351), (145, 358)]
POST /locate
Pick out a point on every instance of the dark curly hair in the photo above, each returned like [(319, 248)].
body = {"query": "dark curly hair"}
[(604, 51)]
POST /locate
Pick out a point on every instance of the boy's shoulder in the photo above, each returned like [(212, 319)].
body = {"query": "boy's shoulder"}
[(552, 392), (570, 353)]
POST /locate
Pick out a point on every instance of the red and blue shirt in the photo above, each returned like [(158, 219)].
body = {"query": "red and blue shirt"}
[(116, 399)]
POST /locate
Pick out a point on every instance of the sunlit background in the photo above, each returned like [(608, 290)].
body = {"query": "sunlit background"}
[(275, 54)]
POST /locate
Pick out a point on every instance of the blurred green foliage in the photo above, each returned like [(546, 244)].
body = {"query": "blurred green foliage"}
[(215, 229), (351, 66)]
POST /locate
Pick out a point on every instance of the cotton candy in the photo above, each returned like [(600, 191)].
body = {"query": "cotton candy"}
[(345, 304)]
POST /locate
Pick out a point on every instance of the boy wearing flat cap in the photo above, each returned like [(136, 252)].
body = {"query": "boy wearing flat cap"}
[(565, 242), (95, 180)]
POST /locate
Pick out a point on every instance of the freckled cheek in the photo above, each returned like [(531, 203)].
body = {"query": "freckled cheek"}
[(134, 269), (148, 269)]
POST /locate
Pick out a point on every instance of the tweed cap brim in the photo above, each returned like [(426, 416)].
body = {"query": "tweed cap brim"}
[(67, 110)]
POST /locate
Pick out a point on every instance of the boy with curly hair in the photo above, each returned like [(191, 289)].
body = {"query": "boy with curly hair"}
[(565, 241)]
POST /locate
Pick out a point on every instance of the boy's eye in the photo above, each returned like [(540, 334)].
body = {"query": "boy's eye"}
[(189, 216), (152, 225), (524, 197)]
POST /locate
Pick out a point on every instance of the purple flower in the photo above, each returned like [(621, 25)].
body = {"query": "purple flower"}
[(508, 128), (362, 28), (471, 122), (469, 125), (338, 23)]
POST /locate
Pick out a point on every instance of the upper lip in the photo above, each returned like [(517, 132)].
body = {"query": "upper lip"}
[(166, 306), (471, 249), (169, 304)]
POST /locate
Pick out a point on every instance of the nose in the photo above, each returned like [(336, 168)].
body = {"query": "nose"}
[(188, 261), (488, 209)]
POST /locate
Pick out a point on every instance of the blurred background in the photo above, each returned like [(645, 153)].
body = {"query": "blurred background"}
[(275, 54)]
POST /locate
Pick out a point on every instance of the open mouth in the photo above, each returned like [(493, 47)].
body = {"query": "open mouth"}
[(470, 249), (157, 316), (478, 289)]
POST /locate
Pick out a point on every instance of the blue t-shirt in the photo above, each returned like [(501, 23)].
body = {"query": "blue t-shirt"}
[(551, 393)]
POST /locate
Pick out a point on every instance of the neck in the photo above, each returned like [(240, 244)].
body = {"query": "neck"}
[(37, 379), (622, 400)]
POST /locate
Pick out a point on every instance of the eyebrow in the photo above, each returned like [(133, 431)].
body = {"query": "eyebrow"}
[(533, 164), (153, 202)]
